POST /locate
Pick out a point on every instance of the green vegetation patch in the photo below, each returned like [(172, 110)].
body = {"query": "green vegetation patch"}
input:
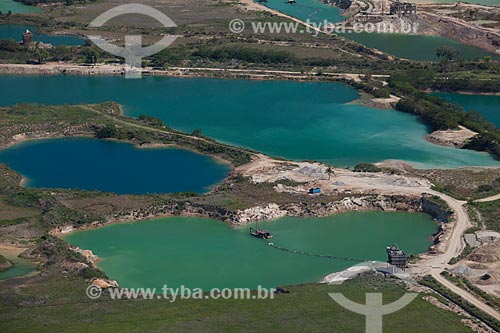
[(245, 53), (490, 213), (8, 178), (53, 301), (441, 115), (104, 121), (464, 183), (10, 214), (366, 167)]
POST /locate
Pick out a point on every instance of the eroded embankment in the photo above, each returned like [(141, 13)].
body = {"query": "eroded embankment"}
[(410, 203), (462, 31)]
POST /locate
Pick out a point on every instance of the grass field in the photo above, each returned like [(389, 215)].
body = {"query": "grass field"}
[(58, 304), (14, 215), (464, 183)]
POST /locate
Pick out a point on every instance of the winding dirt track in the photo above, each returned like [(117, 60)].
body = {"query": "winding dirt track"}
[(454, 245), (465, 295)]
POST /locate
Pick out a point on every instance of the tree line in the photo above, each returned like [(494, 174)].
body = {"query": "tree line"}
[(441, 115)]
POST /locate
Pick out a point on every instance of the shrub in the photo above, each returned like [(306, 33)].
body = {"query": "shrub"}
[(366, 167)]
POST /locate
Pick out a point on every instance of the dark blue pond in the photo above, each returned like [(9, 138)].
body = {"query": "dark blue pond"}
[(92, 164)]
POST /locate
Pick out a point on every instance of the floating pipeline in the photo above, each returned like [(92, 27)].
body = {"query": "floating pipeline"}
[(313, 254)]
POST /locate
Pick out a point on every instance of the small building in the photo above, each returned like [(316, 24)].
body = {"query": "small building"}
[(396, 256), (27, 38), (403, 8), (315, 190)]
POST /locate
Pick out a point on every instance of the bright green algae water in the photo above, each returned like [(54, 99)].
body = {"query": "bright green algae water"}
[(112, 166), (486, 105), (296, 120), (202, 253), (14, 31)]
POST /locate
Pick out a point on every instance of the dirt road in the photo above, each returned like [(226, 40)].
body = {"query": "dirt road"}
[(464, 294), (53, 68), (492, 198)]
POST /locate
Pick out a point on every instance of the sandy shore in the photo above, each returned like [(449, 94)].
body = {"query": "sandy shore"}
[(180, 72), (174, 146), (378, 103), (21, 138), (451, 138), (365, 267)]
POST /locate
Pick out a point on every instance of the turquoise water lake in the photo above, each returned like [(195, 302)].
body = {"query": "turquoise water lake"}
[(415, 47), (15, 31), (21, 267), (202, 253), (313, 10), (300, 121), (17, 7), (488, 106), (92, 164)]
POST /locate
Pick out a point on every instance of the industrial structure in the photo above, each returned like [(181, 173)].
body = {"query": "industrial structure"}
[(403, 9), (259, 233), (396, 256)]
